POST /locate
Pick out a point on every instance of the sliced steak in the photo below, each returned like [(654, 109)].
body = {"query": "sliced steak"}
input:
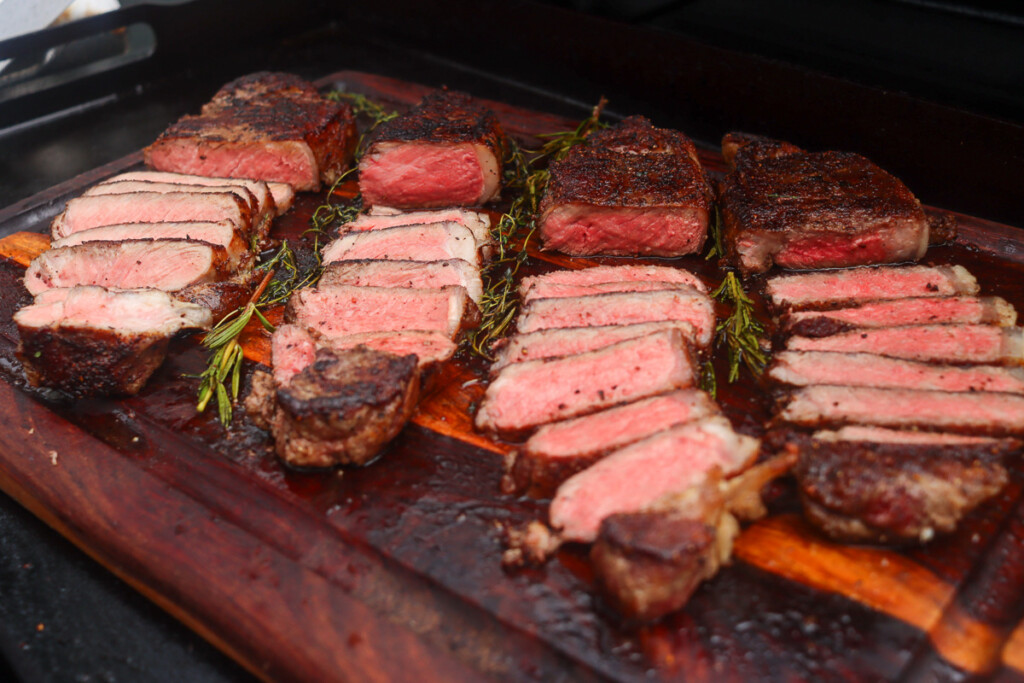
[(991, 310), (421, 274), (601, 275), (344, 310), (90, 341), (267, 194), (168, 265), (412, 243), (808, 368), (632, 190), (559, 342), (526, 395), (806, 210), (446, 151), (636, 476), (478, 222), (868, 284), (623, 308), (554, 291), (288, 134), (984, 413), (898, 436), (557, 451), (83, 213), (934, 343)]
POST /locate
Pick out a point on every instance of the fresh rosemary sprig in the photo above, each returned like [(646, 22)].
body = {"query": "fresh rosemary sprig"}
[(741, 332)]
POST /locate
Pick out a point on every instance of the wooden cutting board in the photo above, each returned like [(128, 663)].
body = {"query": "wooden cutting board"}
[(392, 571)]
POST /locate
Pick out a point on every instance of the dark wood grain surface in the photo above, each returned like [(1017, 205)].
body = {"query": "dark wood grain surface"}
[(372, 573)]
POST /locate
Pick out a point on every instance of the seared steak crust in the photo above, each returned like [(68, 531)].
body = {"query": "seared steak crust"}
[(445, 116)]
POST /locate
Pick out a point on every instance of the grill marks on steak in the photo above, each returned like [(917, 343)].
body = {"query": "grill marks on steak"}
[(446, 151), (270, 126), (806, 210), (630, 190)]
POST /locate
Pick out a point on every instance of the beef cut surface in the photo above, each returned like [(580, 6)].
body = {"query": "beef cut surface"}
[(432, 242), (84, 213), (419, 274), (909, 311), (536, 286)]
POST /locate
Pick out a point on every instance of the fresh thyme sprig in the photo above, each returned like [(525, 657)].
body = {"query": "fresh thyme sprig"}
[(741, 332), (363, 106), (717, 247)]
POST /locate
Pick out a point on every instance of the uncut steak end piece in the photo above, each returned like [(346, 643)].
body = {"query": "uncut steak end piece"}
[(91, 341), (268, 126), (808, 210), (446, 151), (630, 190)]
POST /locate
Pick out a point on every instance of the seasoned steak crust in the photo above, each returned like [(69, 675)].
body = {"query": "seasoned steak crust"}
[(445, 116)]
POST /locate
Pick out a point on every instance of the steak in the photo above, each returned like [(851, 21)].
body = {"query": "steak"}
[(222, 234), (344, 310), (896, 436), (808, 210), (984, 413), (340, 410), (555, 291), (532, 287), (273, 198), (557, 451), (168, 265), (446, 151), (478, 222), (636, 476), (420, 274), (623, 308), (270, 126), (807, 368), (868, 284), (558, 342), (526, 395), (910, 311), (935, 343), (630, 190), (413, 243), (90, 341), (83, 213)]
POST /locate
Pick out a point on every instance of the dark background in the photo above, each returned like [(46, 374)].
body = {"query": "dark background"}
[(931, 90)]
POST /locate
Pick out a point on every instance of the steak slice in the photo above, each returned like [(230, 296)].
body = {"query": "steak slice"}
[(420, 274), (222, 234), (636, 476), (412, 243), (805, 210), (343, 408), (446, 151), (83, 213), (632, 190), (910, 311), (267, 194), (90, 341), (623, 308), (808, 368), (558, 342), (896, 491), (554, 291), (868, 284), (984, 413), (601, 275), (168, 265), (897, 436), (478, 222), (935, 343), (343, 310), (557, 451), (287, 133), (526, 395)]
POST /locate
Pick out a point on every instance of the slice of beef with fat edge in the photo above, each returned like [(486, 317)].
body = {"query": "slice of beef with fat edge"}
[(417, 274), (989, 310)]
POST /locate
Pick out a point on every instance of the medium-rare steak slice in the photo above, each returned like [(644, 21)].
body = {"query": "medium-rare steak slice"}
[(340, 410), (935, 343), (986, 413), (989, 310), (266, 194), (558, 342), (438, 242), (478, 222), (808, 368), (421, 274), (83, 213), (632, 190), (636, 476), (90, 341), (817, 210), (897, 436), (868, 284), (446, 151), (623, 308), (557, 451), (343, 310), (287, 133), (553, 291), (222, 234), (896, 491), (601, 275), (168, 265), (526, 395)]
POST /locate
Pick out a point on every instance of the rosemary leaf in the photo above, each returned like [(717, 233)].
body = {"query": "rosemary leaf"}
[(741, 332)]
